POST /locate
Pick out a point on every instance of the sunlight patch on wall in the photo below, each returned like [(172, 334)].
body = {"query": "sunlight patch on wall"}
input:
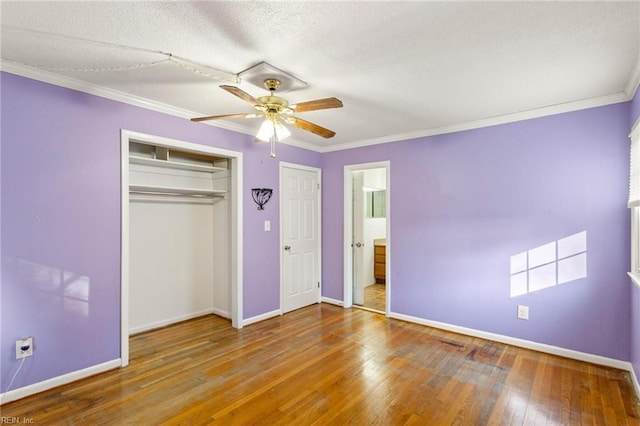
[(550, 264), (67, 289)]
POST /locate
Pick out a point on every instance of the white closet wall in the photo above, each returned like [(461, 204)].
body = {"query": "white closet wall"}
[(221, 228), (179, 237)]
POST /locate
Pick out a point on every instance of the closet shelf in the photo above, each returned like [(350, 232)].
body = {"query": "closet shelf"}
[(174, 164), (168, 190)]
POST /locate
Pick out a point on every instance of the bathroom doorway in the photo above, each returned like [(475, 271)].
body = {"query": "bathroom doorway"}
[(367, 236)]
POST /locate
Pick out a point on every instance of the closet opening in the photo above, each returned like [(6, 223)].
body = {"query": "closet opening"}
[(181, 235)]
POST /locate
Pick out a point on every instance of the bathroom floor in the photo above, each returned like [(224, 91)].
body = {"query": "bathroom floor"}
[(375, 297)]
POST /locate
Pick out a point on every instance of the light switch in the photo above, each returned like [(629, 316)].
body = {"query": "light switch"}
[(267, 225)]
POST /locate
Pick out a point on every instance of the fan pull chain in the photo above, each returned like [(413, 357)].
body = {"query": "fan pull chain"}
[(272, 140)]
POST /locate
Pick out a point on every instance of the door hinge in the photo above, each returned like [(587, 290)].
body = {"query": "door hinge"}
[(318, 186), (318, 284)]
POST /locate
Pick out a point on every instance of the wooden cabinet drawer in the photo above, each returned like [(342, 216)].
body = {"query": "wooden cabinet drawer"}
[(379, 270), (379, 260)]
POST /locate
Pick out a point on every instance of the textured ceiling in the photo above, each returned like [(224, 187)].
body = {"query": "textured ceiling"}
[(402, 69)]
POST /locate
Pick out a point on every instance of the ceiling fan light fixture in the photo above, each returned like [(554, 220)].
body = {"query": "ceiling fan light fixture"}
[(282, 132), (265, 131), (272, 128), (272, 131)]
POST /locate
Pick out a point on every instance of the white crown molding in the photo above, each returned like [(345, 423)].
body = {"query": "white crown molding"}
[(90, 88), (488, 122), (116, 95)]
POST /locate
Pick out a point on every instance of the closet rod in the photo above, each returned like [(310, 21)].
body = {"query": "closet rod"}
[(173, 191)]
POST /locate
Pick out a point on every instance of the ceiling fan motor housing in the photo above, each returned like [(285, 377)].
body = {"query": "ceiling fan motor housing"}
[(274, 104)]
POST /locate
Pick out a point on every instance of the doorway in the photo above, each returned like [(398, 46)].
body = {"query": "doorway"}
[(299, 236), (366, 236)]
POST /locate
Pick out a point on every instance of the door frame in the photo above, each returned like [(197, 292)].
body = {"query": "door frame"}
[(126, 136), (318, 171), (348, 230)]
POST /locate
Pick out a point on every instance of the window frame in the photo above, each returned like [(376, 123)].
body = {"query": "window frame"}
[(635, 245), (633, 204)]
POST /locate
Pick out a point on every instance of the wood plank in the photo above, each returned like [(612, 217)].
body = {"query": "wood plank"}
[(327, 365)]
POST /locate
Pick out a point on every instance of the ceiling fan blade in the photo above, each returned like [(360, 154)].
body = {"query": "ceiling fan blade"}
[(318, 104), (217, 117), (310, 127), (242, 95)]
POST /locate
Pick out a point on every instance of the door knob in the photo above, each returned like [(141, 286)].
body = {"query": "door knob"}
[(287, 247), (359, 244)]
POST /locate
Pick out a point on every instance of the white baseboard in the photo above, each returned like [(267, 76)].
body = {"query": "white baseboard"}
[(221, 313), (527, 344), (58, 381), (169, 321), (634, 380), (332, 301), (262, 317)]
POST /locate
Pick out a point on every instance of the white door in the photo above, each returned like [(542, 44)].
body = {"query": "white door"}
[(358, 238), (300, 201)]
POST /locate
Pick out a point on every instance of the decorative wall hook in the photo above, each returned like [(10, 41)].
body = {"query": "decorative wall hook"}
[(261, 196)]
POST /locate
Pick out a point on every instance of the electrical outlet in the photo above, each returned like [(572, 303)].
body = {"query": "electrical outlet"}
[(24, 343), (523, 312)]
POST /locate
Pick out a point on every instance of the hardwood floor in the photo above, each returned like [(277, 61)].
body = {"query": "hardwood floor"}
[(327, 365), (375, 297)]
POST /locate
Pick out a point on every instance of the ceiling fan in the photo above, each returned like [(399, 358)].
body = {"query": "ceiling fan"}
[(275, 110)]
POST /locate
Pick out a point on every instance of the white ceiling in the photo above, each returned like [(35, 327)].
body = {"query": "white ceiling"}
[(402, 69)]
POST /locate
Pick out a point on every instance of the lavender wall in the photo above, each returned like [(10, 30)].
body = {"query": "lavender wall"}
[(60, 166), (462, 204)]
